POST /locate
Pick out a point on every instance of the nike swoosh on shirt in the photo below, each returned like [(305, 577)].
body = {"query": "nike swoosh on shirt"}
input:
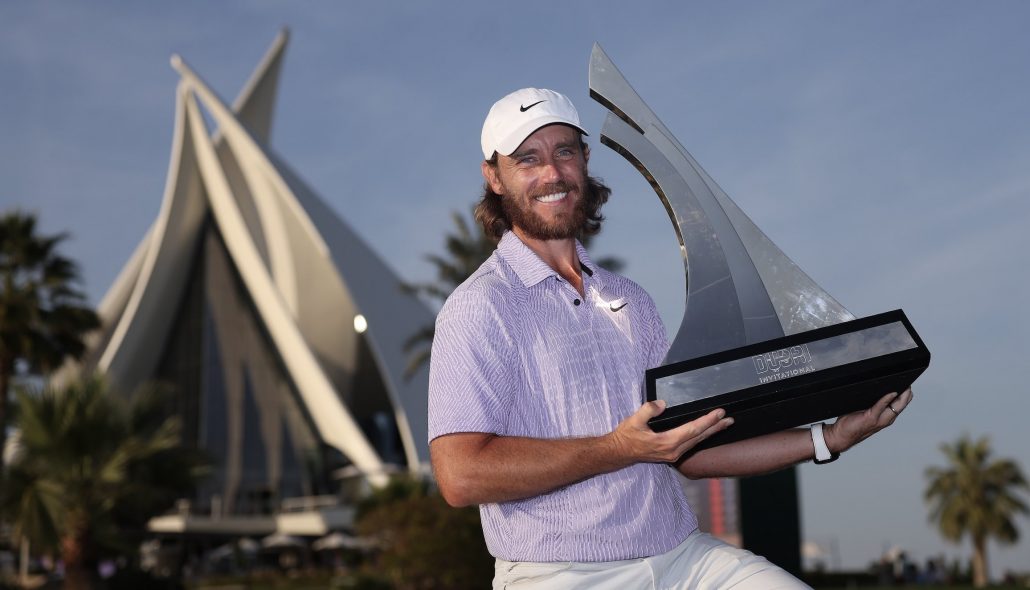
[(524, 109), (618, 304)]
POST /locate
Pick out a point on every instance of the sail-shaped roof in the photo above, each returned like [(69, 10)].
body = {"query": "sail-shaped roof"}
[(304, 277)]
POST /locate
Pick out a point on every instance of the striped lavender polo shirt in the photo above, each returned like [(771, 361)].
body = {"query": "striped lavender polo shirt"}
[(519, 352)]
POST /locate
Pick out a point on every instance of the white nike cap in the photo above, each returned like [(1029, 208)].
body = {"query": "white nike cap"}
[(516, 116)]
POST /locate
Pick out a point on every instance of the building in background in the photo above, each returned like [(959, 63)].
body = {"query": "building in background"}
[(281, 331)]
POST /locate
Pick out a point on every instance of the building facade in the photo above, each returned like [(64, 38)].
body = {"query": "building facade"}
[(280, 330)]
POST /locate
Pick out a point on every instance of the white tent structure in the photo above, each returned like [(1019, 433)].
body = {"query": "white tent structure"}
[(281, 330), (338, 540), (281, 541)]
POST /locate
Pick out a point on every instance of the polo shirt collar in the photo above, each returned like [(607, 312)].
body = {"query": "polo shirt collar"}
[(529, 267)]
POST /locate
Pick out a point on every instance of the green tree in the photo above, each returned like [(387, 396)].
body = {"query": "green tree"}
[(975, 495), (466, 247), (43, 319), (424, 543), (90, 470)]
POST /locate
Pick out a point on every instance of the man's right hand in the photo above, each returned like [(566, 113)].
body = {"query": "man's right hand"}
[(480, 468), (634, 440)]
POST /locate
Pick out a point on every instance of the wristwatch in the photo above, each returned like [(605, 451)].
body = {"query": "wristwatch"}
[(822, 452)]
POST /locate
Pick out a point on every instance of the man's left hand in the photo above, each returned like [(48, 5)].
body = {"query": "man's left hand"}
[(853, 428)]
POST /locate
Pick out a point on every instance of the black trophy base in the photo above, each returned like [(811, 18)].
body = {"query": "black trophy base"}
[(793, 380)]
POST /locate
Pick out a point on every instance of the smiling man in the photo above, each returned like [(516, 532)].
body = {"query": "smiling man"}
[(536, 407)]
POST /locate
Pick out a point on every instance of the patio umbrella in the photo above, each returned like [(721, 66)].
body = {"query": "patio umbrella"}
[(340, 540), (281, 541)]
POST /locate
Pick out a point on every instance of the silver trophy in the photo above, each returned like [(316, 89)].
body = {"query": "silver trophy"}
[(758, 337)]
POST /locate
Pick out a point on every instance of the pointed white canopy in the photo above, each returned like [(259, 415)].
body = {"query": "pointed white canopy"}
[(307, 274)]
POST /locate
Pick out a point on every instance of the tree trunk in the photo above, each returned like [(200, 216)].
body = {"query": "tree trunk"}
[(75, 548), (980, 562), (6, 370)]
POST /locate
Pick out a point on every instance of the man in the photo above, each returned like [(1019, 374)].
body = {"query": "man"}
[(536, 410)]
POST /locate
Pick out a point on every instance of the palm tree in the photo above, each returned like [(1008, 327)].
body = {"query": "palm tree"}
[(467, 247), (89, 471), (43, 319), (975, 495)]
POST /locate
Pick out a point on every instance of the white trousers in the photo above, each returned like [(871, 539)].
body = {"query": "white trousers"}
[(701, 562)]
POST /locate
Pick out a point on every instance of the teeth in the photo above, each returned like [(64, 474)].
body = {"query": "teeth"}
[(551, 198)]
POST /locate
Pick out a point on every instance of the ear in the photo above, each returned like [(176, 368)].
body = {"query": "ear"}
[(586, 152), (492, 177)]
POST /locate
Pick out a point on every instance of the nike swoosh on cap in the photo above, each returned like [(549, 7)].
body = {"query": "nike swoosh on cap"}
[(524, 109)]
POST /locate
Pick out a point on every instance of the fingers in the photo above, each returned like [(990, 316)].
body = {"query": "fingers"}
[(643, 444), (647, 411), (890, 413), (695, 431), (721, 422), (890, 406), (853, 428), (903, 400), (651, 409), (881, 404), (714, 419)]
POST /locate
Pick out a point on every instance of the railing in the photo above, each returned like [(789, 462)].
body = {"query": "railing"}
[(354, 486), (308, 503)]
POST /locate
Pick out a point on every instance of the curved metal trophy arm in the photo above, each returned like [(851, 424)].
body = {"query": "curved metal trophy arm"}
[(741, 288)]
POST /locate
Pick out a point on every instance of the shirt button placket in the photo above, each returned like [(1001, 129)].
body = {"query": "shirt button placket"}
[(565, 285)]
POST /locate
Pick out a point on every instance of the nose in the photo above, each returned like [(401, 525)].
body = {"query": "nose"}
[(550, 172)]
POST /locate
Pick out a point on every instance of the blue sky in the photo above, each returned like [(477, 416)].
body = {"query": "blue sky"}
[(883, 145)]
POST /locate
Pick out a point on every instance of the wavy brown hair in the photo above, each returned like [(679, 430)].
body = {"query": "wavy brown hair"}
[(491, 215)]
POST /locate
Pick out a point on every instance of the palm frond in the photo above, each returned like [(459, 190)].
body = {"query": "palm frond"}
[(87, 456), (974, 495)]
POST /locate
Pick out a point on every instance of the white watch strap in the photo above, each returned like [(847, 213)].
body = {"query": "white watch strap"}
[(822, 452)]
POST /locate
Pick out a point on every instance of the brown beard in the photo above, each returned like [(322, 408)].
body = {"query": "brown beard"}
[(521, 215)]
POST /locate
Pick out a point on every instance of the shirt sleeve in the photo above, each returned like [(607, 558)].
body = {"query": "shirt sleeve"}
[(472, 368)]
